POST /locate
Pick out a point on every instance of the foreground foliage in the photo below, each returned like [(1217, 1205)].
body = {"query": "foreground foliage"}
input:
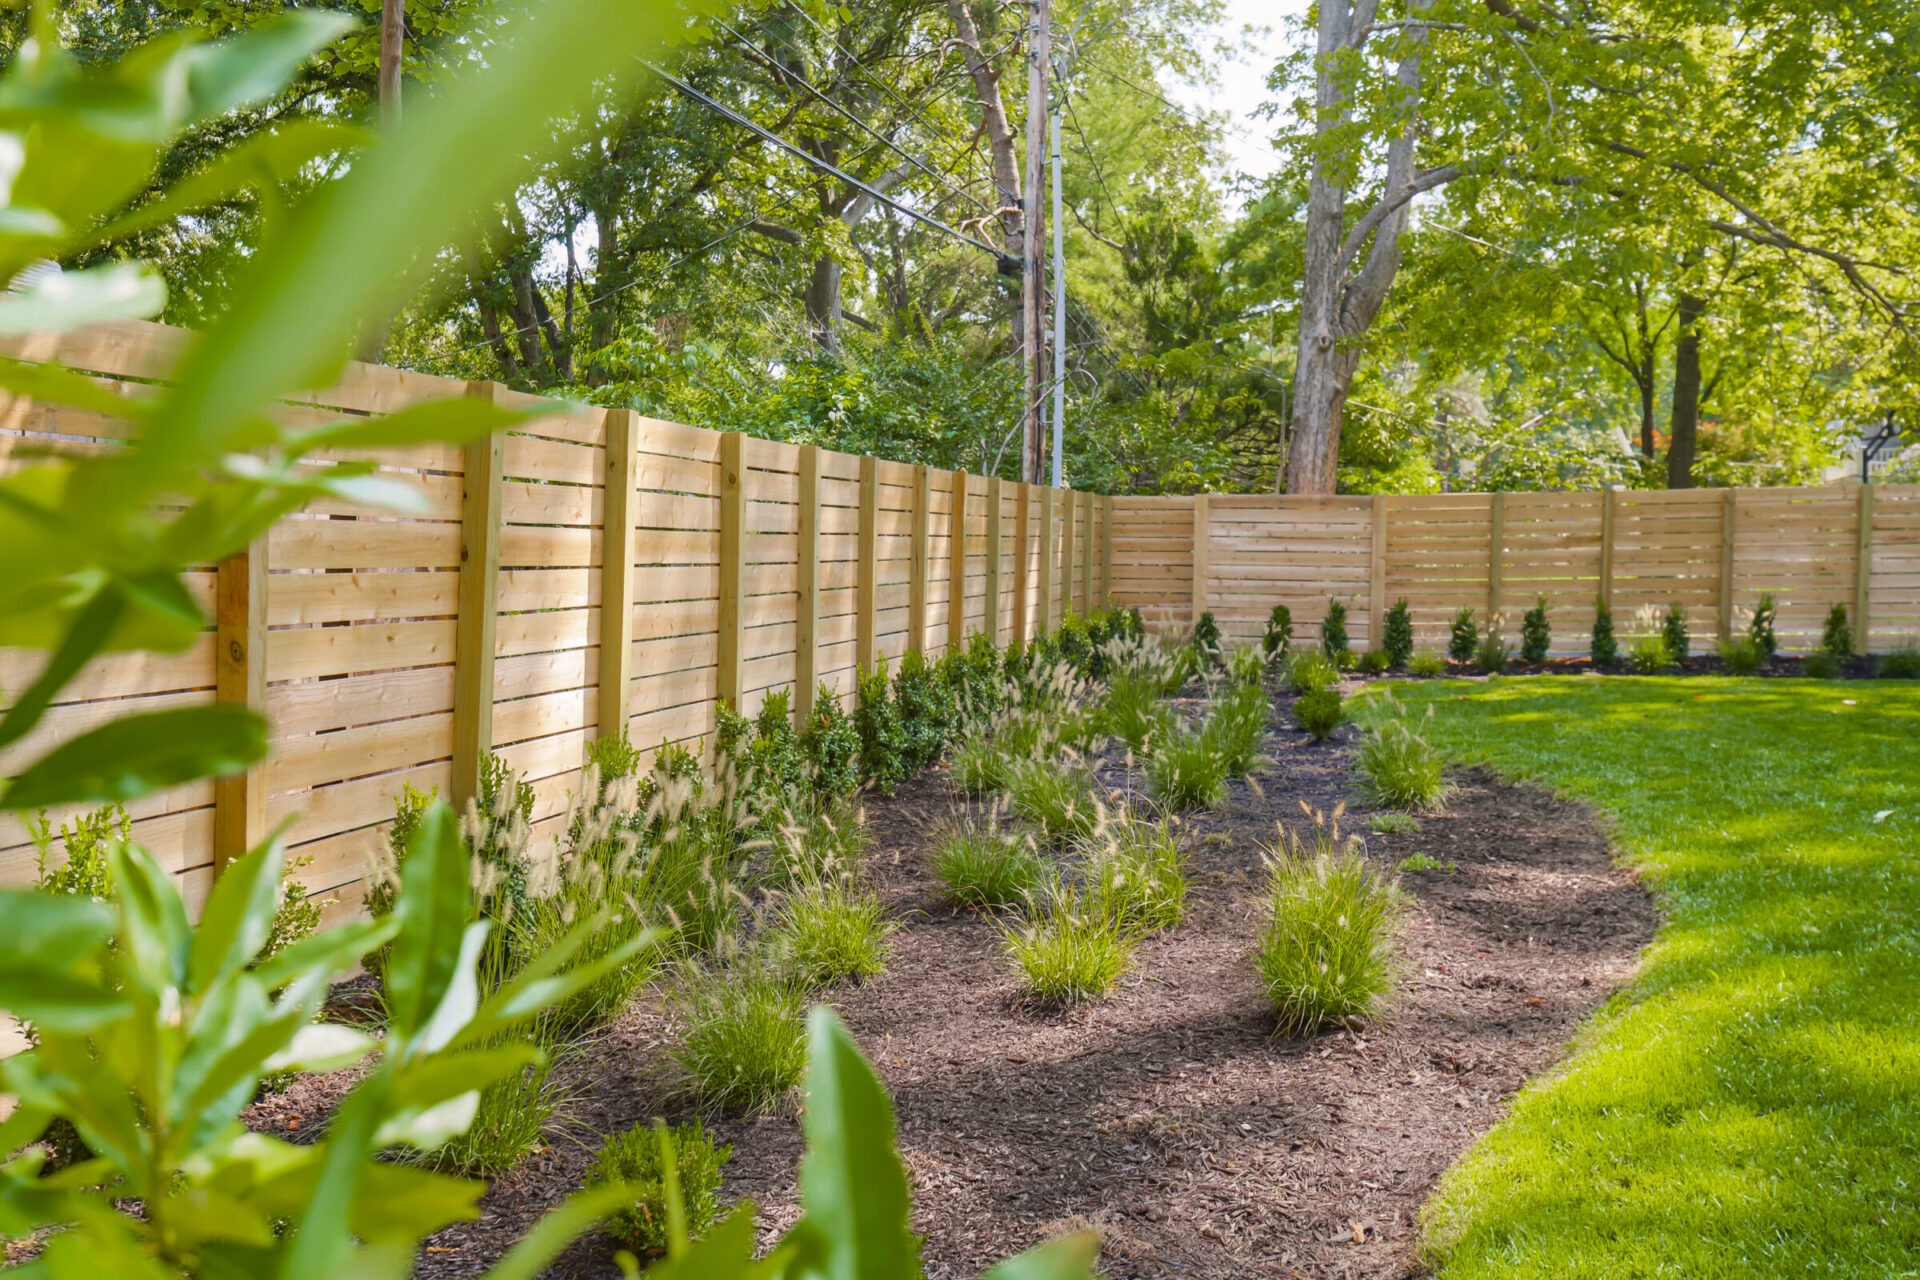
[(1747, 1111)]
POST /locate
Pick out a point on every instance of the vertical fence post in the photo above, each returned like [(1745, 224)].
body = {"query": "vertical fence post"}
[(1068, 510), (1377, 572), (806, 631), (917, 570), (1022, 559), (1863, 572), (1106, 550), (1087, 557), (1729, 508), (864, 641), (1046, 561), (733, 569), (1607, 504), (240, 679), (1496, 558), (957, 564), (616, 573), (991, 609), (478, 605), (1202, 548)]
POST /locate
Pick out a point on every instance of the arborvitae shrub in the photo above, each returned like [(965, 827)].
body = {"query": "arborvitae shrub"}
[(1398, 637), (1206, 634), (832, 746), (1536, 636), (1333, 629), (1673, 630), (1279, 635), (883, 744), (1605, 648), (1463, 637), (1761, 628), (1837, 636)]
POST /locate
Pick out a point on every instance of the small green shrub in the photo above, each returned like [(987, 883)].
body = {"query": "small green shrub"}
[(1327, 953), (84, 871), (1427, 665), (1424, 862), (1061, 798), (1394, 822), (1673, 630), (763, 753), (1491, 654), (828, 931), (1206, 634), (1902, 663), (1187, 771), (1605, 649), (1070, 956), (1136, 876), (1739, 654), (1333, 629), (928, 711), (831, 744), (1649, 655), (1463, 637), (1836, 637), (1310, 671), (1374, 662), (984, 865), (638, 1159), (1821, 665), (744, 1043), (1278, 637), (1319, 713), (1761, 627), (1397, 639), (1399, 768), (1345, 659), (1536, 636), (883, 741)]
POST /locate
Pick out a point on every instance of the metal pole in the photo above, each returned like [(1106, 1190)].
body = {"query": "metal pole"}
[(1059, 313)]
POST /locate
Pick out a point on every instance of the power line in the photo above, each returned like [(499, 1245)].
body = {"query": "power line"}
[(767, 135)]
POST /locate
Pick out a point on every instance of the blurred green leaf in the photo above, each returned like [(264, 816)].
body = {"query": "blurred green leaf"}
[(430, 919), (452, 421), (527, 1259), (1068, 1258), (238, 916), (50, 384), (68, 300), (87, 638), (138, 754)]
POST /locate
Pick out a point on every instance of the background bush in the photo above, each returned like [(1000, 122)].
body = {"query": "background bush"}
[(1333, 629), (1397, 639), (1536, 636), (1319, 713), (1604, 649), (1463, 637), (634, 1159)]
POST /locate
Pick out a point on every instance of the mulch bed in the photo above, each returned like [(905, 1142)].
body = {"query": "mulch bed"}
[(1167, 1117)]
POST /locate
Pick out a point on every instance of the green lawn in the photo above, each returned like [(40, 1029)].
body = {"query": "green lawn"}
[(1751, 1106)]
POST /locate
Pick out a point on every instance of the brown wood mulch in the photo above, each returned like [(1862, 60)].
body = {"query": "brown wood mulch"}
[(1167, 1117)]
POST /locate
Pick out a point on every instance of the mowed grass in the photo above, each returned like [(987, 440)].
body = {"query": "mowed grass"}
[(1751, 1105)]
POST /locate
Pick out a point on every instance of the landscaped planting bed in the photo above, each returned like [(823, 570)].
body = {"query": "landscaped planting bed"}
[(1168, 1114)]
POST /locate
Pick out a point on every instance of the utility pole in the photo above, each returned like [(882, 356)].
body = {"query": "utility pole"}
[(393, 30), (1033, 277), (1059, 314)]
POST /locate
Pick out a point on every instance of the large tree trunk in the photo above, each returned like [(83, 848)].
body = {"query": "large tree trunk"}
[(1337, 303), (1683, 438), (823, 303)]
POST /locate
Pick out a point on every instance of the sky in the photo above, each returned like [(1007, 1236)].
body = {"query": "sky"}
[(1242, 82)]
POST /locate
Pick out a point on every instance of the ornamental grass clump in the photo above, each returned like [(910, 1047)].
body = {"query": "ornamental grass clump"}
[(743, 1043), (1740, 654), (1427, 665), (1131, 711), (1310, 671), (829, 930), (1374, 662), (1649, 655), (1399, 768), (1491, 655), (1060, 797), (1319, 713), (510, 1117), (1071, 955), (1187, 771), (1327, 953), (1236, 728), (639, 1159), (1821, 665), (1136, 876), (1900, 663), (984, 864)]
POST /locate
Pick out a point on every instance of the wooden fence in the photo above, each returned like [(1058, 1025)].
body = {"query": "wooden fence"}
[(388, 650), (1715, 551)]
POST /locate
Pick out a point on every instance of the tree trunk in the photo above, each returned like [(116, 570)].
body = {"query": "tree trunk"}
[(1683, 438), (823, 303), (1644, 381)]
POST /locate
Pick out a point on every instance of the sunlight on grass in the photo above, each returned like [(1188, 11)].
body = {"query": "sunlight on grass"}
[(1748, 1107)]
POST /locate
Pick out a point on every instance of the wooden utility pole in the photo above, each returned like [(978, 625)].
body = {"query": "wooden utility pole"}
[(1033, 277), (393, 30)]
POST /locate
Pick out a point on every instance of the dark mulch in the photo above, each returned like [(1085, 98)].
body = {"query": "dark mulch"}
[(1168, 1117)]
